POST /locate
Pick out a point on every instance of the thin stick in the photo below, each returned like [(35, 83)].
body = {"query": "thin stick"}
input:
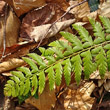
[(73, 6), (4, 31)]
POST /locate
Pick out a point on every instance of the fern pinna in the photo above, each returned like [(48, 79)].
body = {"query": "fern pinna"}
[(81, 54)]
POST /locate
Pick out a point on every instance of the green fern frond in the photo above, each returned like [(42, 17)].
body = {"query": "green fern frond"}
[(27, 86), (101, 62), (108, 60), (106, 23), (76, 43), (88, 65), (51, 76), (38, 59), (34, 85), (41, 81), (98, 31), (84, 35), (77, 67), (80, 54), (67, 71), (25, 70), (31, 64), (58, 76)]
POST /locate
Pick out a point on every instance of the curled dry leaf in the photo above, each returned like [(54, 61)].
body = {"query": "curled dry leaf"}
[(63, 3), (39, 32), (45, 15), (12, 29), (105, 9), (107, 85), (76, 98), (46, 99), (23, 6), (17, 50), (96, 75), (2, 6), (25, 107), (80, 11), (11, 64)]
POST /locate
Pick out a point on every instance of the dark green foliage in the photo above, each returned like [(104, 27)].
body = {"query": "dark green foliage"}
[(80, 55), (93, 4)]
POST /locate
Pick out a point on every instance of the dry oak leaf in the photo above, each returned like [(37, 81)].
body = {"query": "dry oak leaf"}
[(40, 16), (2, 6), (11, 64), (45, 101), (63, 3), (12, 29), (105, 9), (17, 50), (39, 32), (23, 6), (76, 97)]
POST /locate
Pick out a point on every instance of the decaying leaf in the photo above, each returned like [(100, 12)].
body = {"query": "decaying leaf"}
[(11, 64), (76, 98), (105, 9), (17, 50), (63, 3), (2, 6), (12, 29), (45, 15), (45, 101), (40, 31), (107, 85), (96, 75), (23, 6), (25, 107)]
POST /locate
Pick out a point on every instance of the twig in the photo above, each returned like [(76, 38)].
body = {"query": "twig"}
[(4, 32), (101, 100), (73, 6)]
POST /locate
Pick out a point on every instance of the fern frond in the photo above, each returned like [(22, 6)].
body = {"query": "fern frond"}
[(74, 40), (88, 65), (18, 74), (58, 75), (98, 31), (25, 70), (58, 53), (106, 23), (31, 64), (101, 62), (108, 60), (50, 59), (107, 47), (38, 59), (84, 35), (41, 81), (51, 76), (22, 88), (77, 67), (67, 71), (81, 54), (34, 85), (27, 86)]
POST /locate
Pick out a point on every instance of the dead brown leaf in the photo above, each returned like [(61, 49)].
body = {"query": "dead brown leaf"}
[(11, 64), (23, 6), (12, 29), (45, 101), (76, 98), (2, 5), (63, 3), (40, 31), (45, 15), (105, 9)]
